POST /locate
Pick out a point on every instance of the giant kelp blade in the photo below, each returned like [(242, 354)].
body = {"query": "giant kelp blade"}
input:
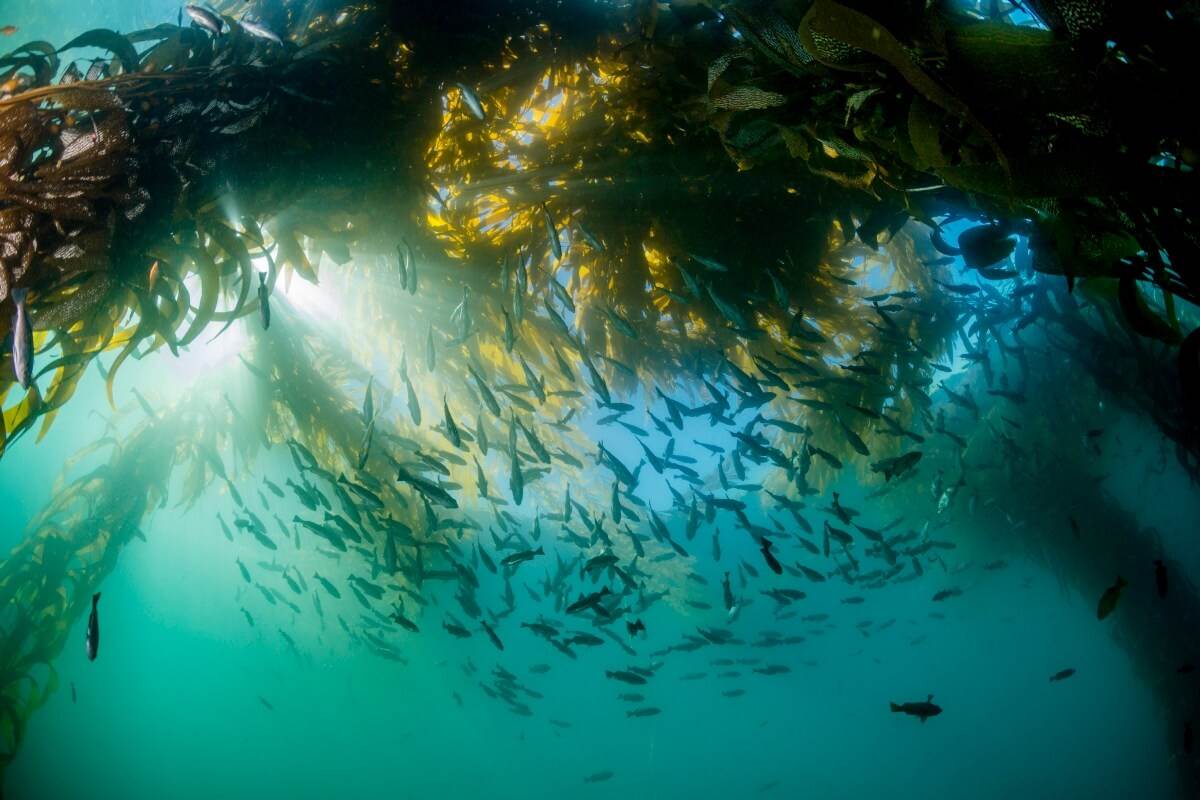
[(109, 40)]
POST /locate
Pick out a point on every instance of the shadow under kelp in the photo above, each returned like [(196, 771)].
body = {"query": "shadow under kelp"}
[(591, 115), (1030, 479)]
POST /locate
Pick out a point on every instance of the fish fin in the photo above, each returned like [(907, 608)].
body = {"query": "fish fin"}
[(19, 294), (895, 708)]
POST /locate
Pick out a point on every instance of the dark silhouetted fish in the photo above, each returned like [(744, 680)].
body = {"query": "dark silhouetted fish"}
[(923, 710), (1110, 598), (93, 630)]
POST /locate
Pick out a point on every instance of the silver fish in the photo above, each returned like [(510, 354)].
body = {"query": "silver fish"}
[(205, 19), (259, 30), (472, 101), (22, 348)]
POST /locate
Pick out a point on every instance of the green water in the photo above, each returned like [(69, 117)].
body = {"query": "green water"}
[(173, 707)]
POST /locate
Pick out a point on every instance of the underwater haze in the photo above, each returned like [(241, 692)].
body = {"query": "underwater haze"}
[(173, 704), (476, 493)]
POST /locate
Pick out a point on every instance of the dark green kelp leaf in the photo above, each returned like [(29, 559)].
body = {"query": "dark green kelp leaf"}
[(1141, 318), (984, 245), (108, 40)]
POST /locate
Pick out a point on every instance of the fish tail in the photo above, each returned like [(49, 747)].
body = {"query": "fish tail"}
[(95, 599), (895, 708), (19, 294)]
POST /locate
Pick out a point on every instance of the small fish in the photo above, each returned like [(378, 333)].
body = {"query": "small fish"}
[(854, 439), (9, 30), (414, 406), (368, 407), (769, 557), (562, 294), (647, 711), (552, 235), (93, 630), (516, 479), (714, 266), (590, 238), (521, 557), (895, 467), (491, 632), (259, 30), (452, 432), (619, 322), (456, 630), (923, 710), (510, 336), (485, 393), (1062, 675), (264, 301), (1108, 600), (727, 591), (204, 18), (410, 263), (588, 601), (471, 99), (22, 339), (598, 777), (625, 676), (404, 622)]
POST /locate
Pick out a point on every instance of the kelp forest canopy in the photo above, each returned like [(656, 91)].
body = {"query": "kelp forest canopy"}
[(784, 138), (827, 211)]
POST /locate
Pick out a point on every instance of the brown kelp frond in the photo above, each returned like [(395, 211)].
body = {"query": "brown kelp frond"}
[(589, 126)]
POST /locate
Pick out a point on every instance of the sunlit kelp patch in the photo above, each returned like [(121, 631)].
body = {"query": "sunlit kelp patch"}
[(490, 177)]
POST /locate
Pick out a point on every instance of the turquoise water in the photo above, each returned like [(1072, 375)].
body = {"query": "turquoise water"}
[(189, 700), (171, 707)]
